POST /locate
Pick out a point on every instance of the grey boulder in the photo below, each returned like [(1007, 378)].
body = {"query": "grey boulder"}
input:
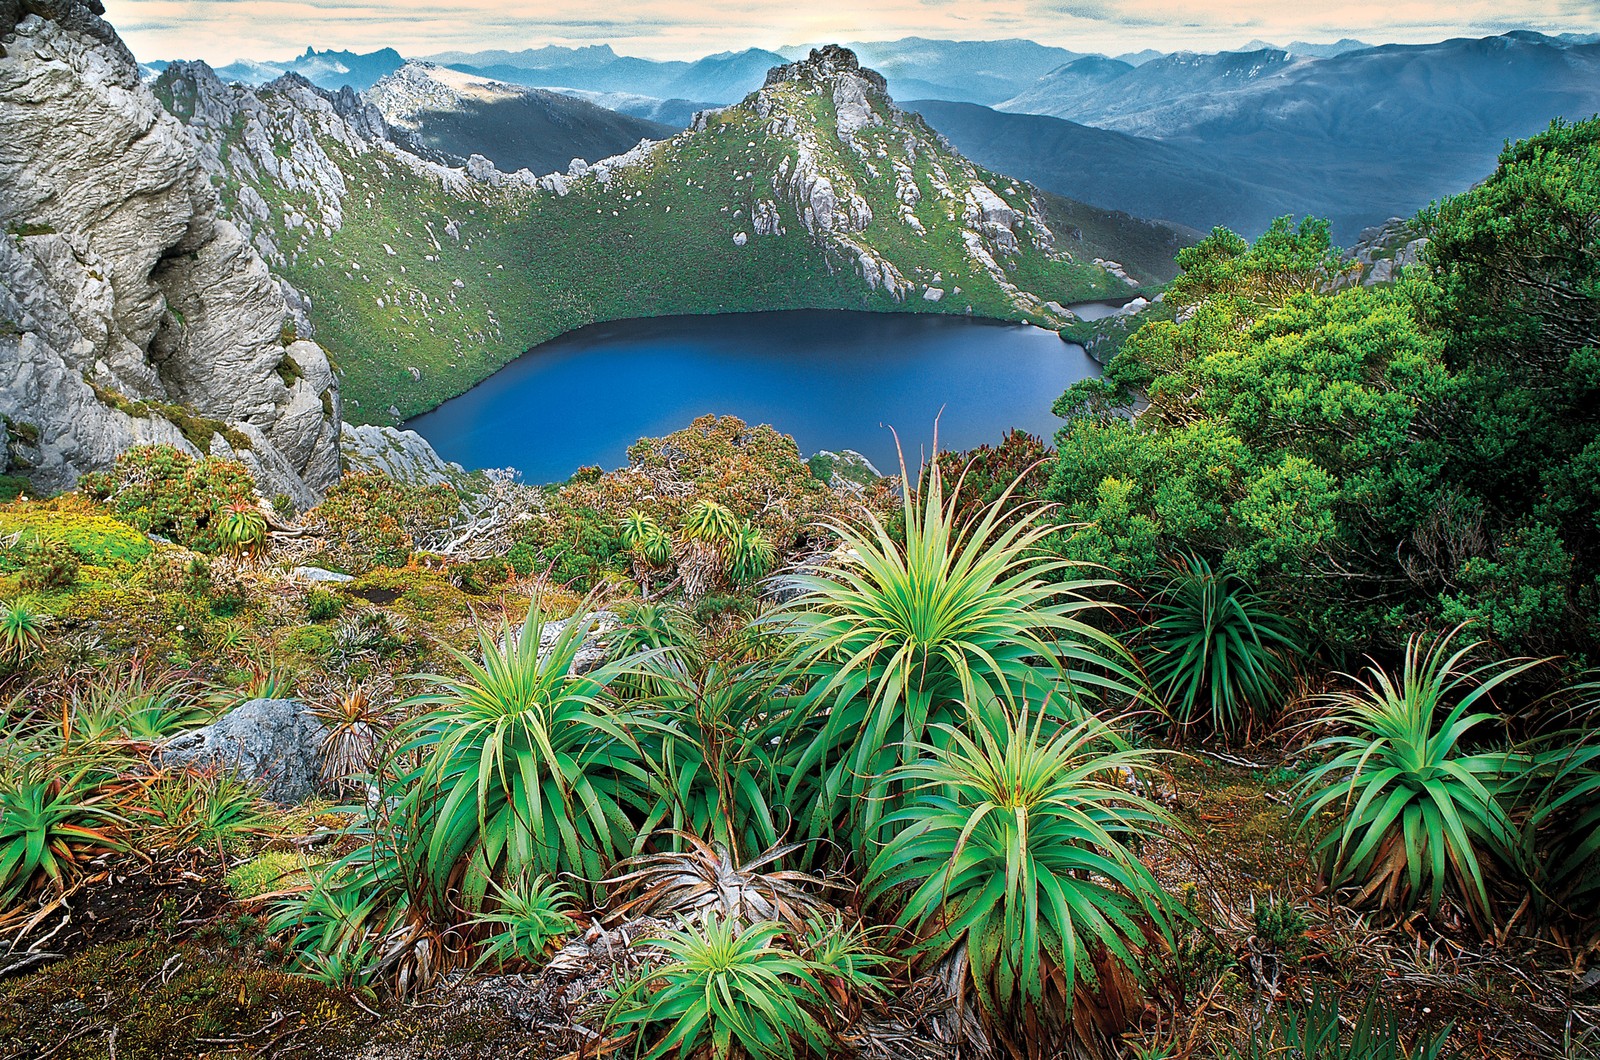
[(274, 742)]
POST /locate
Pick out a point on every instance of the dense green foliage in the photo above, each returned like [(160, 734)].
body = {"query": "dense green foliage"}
[(164, 491), (1387, 458), (369, 520)]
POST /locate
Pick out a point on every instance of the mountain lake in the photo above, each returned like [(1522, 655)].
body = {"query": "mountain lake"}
[(834, 379)]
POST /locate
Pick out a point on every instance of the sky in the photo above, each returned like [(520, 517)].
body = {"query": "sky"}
[(220, 31)]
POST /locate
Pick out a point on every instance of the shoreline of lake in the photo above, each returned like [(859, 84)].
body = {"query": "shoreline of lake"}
[(830, 378)]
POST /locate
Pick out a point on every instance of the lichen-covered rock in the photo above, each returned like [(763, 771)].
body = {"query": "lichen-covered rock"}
[(277, 743), (122, 292), (404, 456)]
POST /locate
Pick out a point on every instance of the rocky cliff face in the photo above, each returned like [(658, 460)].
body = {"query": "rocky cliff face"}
[(130, 311)]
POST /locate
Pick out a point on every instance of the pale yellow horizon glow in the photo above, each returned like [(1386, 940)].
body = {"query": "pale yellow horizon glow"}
[(221, 31)]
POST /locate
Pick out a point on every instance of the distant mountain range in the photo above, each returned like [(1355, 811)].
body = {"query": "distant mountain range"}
[(965, 71), (331, 70), (1356, 137), (716, 79), (460, 115), (1347, 130)]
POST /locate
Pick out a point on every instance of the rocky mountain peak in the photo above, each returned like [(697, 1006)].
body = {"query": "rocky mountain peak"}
[(831, 62)]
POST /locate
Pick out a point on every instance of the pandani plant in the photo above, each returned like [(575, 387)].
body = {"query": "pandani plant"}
[(729, 990), (521, 766), (1012, 862), (1409, 805), (899, 633), (1219, 651)]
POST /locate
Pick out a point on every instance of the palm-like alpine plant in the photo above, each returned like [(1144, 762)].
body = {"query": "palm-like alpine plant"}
[(711, 737), (749, 555), (899, 635), (645, 538), (528, 915), (1220, 650), (48, 820), (21, 636), (661, 633), (726, 991), (1013, 859), (242, 530), (705, 879), (708, 531), (1564, 819), (1406, 805), (520, 767)]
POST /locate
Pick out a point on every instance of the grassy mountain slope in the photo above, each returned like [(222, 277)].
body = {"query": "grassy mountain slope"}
[(814, 193)]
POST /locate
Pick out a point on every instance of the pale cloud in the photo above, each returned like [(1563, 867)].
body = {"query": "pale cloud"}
[(223, 30)]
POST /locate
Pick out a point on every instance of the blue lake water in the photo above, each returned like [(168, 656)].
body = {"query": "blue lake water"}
[(832, 379)]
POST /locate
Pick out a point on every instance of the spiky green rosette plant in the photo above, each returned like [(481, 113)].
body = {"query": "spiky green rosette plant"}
[(1316, 1030), (520, 768), (242, 530), (527, 917), (21, 636), (1013, 856), (749, 555), (1563, 825), (1405, 805), (727, 991), (1220, 650), (711, 737), (708, 531), (48, 820), (898, 635), (650, 545)]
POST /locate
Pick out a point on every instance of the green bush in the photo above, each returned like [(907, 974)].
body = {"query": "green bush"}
[(164, 491), (323, 604), (368, 520), (46, 568)]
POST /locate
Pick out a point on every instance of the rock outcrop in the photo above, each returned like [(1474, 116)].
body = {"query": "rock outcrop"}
[(276, 743), (404, 456), (1380, 252), (130, 311)]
